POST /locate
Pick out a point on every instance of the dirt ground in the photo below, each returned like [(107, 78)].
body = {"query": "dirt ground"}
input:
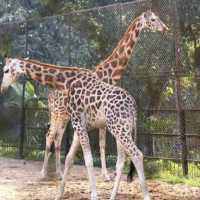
[(20, 180)]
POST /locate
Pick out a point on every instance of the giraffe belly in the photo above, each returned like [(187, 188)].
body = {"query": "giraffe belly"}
[(96, 121)]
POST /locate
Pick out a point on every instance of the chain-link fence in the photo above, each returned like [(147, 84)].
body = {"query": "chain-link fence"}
[(162, 75)]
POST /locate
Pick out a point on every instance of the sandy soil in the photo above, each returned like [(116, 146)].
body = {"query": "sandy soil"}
[(20, 180)]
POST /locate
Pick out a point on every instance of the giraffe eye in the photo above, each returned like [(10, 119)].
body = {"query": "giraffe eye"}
[(153, 20), (6, 71)]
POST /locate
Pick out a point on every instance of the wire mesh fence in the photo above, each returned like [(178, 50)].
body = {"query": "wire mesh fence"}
[(85, 38)]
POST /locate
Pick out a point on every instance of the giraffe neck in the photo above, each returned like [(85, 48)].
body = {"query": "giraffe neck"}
[(113, 67), (54, 76)]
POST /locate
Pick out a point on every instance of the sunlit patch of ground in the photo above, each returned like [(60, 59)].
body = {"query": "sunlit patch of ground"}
[(19, 180)]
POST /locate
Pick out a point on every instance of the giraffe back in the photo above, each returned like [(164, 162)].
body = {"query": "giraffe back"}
[(100, 102)]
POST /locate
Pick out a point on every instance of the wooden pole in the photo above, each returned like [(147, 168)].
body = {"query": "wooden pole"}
[(22, 128), (177, 85)]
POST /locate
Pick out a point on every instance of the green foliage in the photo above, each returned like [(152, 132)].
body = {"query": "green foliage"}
[(7, 150), (158, 123), (171, 172), (14, 95), (35, 155), (6, 45)]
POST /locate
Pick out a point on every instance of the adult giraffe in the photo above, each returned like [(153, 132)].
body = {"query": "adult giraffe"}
[(110, 71), (85, 101), (90, 103)]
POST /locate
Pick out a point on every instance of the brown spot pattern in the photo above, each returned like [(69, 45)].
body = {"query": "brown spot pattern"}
[(60, 78), (137, 33), (131, 44), (123, 61), (28, 65), (52, 71), (106, 65), (121, 49), (99, 74), (60, 87), (126, 37), (48, 78), (109, 71), (118, 72), (133, 28), (38, 77), (114, 63), (128, 51), (36, 68)]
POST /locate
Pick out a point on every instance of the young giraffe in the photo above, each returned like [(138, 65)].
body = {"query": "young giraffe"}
[(90, 103), (110, 71)]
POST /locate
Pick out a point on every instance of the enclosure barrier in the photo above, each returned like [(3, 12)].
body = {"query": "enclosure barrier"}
[(160, 75)]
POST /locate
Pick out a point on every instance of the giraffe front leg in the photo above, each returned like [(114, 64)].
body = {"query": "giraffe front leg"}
[(137, 159), (102, 144), (84, 140), (49, 142), (58, 140), (122, 132), (79, 125), (119, 167), (68, 163)]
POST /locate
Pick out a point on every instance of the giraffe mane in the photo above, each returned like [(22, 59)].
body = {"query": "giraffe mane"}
[(32, 61)]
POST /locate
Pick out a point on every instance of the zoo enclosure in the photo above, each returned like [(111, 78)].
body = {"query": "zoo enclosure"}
[(160, 75)]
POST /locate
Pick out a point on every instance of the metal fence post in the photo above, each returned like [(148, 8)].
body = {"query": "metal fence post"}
[(22, 128), (179, 108), (68, 128)]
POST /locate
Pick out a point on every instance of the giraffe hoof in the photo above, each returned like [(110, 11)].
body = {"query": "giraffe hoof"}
[(107, 178), (112, 176), (129, 179)]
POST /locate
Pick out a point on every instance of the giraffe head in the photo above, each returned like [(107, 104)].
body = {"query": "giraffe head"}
[(11, 72), (152, 22)]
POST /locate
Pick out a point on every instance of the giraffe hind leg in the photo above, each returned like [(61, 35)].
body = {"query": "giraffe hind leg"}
[(102, 145), (68, 163), (119, 167), (62, 123), (124, 138)]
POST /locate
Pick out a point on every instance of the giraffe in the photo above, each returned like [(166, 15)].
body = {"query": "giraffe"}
[(110, 71), (90, 103)]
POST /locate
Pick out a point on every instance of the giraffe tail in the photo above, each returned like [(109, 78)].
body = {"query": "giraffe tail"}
[(132, 169), (52, 149)]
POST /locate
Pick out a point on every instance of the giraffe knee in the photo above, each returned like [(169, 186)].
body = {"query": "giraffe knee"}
[(57, 147)]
